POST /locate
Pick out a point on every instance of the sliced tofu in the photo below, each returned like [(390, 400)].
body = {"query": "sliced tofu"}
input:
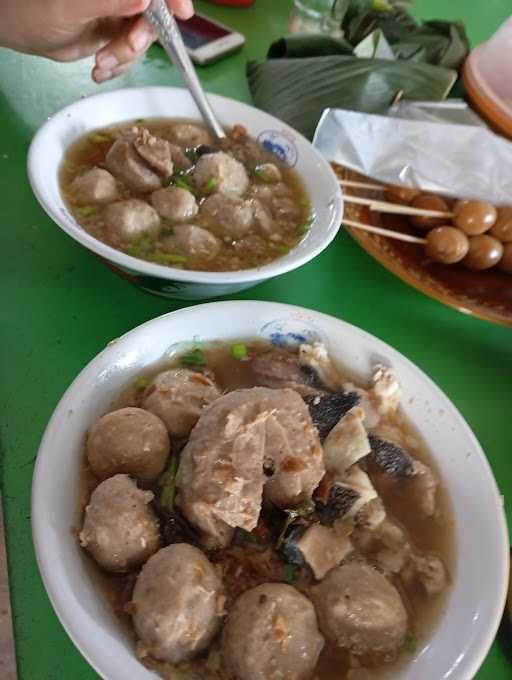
[(346, 443), (324, 548)]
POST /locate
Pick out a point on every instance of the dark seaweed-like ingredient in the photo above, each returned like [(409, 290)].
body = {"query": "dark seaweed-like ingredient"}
[(341, 499), (312, 378), (173, 526), (327, 409), (289, 550), (390, 458)]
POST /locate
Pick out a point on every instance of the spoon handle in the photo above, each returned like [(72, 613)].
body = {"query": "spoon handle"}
[(162, 20)]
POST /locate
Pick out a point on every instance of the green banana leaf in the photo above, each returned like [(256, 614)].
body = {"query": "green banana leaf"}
[(308, 45), (298, 90)]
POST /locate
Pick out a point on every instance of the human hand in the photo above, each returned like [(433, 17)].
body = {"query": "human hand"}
[(67, 30)]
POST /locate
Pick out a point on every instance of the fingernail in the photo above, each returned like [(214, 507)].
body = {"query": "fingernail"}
[(140, 41), (100, 76), (106, 62)]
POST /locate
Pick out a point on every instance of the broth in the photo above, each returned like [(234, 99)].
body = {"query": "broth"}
[(256, 225), (432, 535)]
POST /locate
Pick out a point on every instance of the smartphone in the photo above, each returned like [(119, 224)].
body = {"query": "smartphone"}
[(208, 40)]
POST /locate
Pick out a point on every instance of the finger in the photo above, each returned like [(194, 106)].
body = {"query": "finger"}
[(127, 47), (184, 9), (102, 76), (97, 9)]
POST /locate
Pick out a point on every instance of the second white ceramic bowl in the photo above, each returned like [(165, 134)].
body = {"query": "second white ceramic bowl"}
[(50, 143), (475, 603)]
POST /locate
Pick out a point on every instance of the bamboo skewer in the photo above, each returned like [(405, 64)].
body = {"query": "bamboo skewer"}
[(384, 232), (361, 185), (382, 206)]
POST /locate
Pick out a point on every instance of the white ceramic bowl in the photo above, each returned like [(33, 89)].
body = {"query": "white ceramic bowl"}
[(467, 627), (55, 136)]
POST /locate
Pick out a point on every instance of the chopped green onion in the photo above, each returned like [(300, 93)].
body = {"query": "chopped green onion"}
[(167, 482), (194, 358), (306, 226), (239, 351), (283, 249), (211, 185), (290, 573), (411, 644), (140, 121), (86, 211), (260, 174), (192, 155), (140, 247), (141, 383), (183, 184), (165, 258), (267, 173), (97, 138)]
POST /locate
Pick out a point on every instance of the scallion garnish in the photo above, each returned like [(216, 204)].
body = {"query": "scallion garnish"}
[(239, 351), (211, 185), (290, 573), (167, 482), (86, 211), (194, 358), (141, 383)]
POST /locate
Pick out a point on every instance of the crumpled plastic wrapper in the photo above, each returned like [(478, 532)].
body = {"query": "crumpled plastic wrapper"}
[(439, 147)]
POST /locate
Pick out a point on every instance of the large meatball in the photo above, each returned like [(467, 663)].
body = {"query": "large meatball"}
[(129, 440), (177, 604), (130, 220), (193, 242), (175, 203), (360, 610), (229, 216), (220, 172), (120, 529), (94, 186), (271, 634), (178, 397), (190, 135), (128, 166)]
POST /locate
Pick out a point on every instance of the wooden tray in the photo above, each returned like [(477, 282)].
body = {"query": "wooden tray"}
[(487, 294)]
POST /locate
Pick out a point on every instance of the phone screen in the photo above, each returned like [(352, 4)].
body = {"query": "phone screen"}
[(199, 31)]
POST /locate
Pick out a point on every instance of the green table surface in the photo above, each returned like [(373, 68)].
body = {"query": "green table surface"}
[(60, 306)]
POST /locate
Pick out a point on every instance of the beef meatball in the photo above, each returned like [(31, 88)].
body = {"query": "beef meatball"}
[(190, 135), (129, 440), (94, 186), (155, 152), (221, 173), (360, 611), (175, 204), (272, 633), (178, 397), (193, 242), (120, 529), (125, 164), (130, 220), (177, 604), (229, 216)]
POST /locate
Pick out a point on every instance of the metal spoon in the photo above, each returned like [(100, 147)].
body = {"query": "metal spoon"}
[(162, 20)]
